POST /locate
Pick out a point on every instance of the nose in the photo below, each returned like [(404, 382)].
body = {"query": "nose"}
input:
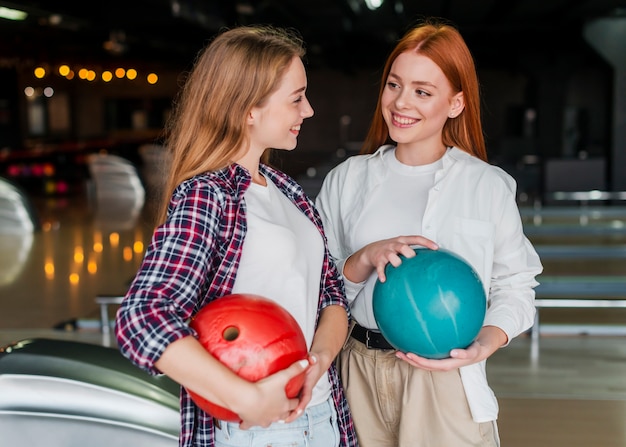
[(401, 99), (307, 110)]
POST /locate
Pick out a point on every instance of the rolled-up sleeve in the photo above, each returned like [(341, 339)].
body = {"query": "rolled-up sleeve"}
[(173, 274)]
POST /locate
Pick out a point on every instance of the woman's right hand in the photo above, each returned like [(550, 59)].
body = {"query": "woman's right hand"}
[(257, 403), (268, 403), (377, 255)]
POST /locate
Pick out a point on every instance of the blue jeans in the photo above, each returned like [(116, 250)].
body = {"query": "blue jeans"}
[(317, 427)]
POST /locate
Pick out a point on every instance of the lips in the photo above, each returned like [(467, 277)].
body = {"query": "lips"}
[(402, 121)]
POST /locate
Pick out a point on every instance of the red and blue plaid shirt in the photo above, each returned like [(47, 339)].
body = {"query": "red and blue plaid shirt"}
[(192, 259)]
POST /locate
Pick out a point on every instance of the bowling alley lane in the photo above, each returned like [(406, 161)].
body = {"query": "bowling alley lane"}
[(582, 246), (79, 252)]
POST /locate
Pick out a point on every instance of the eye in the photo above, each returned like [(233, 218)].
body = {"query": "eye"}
[(392, 85), (421, 92), (299, 99)]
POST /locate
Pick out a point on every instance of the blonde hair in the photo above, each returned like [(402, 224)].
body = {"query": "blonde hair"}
[(444, 45), (237, 71)]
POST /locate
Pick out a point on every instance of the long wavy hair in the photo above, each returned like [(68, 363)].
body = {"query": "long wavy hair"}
[(444, 45), (238, 70)]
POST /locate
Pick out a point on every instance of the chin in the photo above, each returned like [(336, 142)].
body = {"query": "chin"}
[(400, 139), (290, 147)]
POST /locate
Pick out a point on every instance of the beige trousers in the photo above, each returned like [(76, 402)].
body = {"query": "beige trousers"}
[(396, 405)]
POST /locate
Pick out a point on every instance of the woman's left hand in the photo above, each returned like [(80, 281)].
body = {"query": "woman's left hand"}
[(488, 341), (458, 358), (313, 375)]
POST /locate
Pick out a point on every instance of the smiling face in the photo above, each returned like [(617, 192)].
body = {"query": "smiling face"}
[(416, 102), (276, 123)]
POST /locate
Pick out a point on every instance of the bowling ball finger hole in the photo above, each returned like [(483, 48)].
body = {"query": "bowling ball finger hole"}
[(231, 333)]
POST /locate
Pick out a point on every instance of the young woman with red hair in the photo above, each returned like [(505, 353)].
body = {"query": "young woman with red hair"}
[(422, 179)]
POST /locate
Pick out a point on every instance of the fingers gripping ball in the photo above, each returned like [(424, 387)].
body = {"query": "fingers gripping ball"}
[(252, 335), (430, 304)]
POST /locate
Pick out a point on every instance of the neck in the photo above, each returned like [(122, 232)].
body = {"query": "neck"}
[(418, 156), (251, 162), (259, 179)]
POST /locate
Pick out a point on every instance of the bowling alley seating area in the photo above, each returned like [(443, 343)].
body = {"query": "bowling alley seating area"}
[(561, 384), (578, 221)]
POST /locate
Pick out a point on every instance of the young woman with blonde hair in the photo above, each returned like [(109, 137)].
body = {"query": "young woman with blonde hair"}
[(233, 224)]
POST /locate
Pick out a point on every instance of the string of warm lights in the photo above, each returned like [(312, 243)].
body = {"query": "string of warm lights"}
[(87, 74), (90, 75)]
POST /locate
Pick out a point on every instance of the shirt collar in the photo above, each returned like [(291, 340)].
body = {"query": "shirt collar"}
[(452, 155), (381, 150)]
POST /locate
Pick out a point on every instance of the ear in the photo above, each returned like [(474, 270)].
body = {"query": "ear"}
[(457, 104), (250, 117)]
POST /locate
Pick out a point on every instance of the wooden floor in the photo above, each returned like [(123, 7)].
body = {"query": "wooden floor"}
[(562, 423), (562, 390)]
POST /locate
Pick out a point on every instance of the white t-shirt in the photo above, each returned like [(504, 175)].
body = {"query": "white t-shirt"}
[(282, 260), (395, 208)]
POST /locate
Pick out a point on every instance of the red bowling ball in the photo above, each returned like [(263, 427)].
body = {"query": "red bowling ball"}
[(252, 335)]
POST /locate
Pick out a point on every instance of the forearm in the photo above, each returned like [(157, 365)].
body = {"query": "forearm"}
[(330, 335), (187, 362), (356, 268), (491, 338)]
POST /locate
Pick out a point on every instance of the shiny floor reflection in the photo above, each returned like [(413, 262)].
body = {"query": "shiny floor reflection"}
[(80, 252)]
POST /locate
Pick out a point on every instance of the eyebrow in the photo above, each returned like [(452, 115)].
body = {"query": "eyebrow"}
[(299, 90), (395, 76)]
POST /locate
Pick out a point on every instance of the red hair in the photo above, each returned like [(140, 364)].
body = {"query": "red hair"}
[(444, 45)]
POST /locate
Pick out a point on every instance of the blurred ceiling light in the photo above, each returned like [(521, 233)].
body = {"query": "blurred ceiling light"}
[(244, 8), (116, 44), (55, 19), (373, 4), (12, 14)]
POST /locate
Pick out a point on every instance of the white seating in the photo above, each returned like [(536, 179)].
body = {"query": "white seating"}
[(115, 178), (18, 223), (117, 189), (16, 213)]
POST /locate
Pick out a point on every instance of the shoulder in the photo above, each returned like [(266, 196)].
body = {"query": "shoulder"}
[(483, 173), (209, 182), (279, 177), (360, 164), (207, 190)]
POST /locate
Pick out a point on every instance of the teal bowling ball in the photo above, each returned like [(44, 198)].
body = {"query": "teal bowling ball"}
[(430, 304)]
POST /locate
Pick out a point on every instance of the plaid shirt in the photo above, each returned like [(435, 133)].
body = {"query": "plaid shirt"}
[(192, 260)]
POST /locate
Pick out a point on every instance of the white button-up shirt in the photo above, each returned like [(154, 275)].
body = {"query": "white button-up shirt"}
[(471, 211)]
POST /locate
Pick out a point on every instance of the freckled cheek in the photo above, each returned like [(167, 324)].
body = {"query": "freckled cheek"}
[(442, 112), (387, 106), (386, 99)]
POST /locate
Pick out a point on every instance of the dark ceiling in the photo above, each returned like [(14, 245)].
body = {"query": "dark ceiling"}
[(342, 34)]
